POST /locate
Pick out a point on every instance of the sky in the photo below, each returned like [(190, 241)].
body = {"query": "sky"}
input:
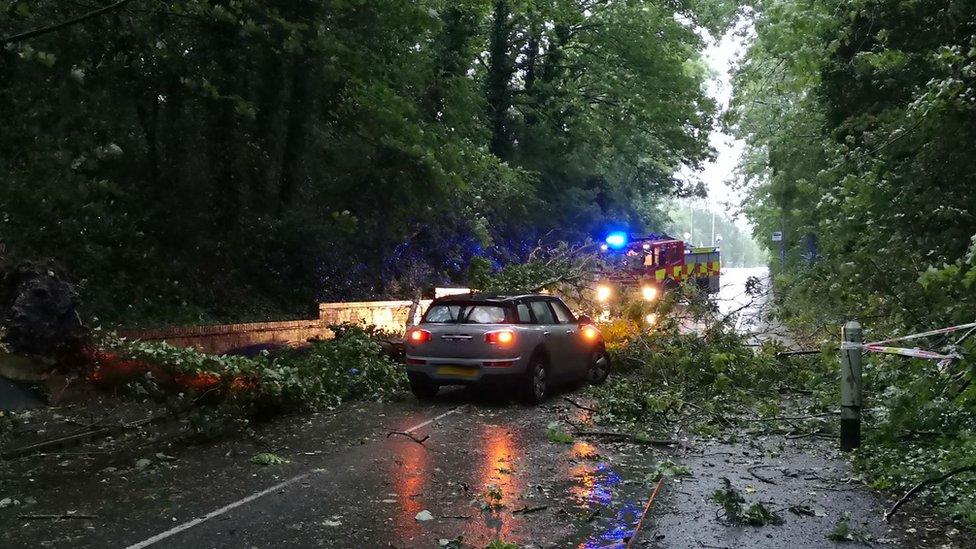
[(721, 56)]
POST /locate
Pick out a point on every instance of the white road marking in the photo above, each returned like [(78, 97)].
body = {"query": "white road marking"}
[(243, 501), (432, 420)]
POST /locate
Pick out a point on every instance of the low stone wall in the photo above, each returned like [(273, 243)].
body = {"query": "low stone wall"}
[(391, 316), (219, 339)]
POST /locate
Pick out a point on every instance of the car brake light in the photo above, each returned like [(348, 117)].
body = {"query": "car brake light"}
[(590, 333), (418, 336), (501, 337)]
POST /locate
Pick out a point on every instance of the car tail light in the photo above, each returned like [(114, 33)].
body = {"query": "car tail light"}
[(501, 337), (416, 361), (418, 335), (590, 333)]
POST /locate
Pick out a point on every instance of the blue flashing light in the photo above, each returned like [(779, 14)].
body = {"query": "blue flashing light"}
[(616, 240)]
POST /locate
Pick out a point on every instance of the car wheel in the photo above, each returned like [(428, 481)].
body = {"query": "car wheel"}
[(599, 366), (422, 387), (535, 384)]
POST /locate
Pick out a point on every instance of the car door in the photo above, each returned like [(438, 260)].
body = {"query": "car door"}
[(576, 355), (553, 339)]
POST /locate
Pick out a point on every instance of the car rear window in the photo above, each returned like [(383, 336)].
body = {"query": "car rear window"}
[(443, 313), (467, 313), (485, 314)]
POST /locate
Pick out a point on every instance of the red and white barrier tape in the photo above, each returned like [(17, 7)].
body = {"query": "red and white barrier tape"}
[(924, 334), (914, 353), (944, 359)]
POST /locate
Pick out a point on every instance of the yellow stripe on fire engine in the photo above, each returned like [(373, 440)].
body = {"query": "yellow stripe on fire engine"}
[(676, 273), (715, 267), (688, 268), (660, 275), (701, 268)]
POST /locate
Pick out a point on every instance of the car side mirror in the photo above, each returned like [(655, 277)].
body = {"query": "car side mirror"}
[(584, 319)]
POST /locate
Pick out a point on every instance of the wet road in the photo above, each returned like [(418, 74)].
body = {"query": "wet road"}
[(485, 470)]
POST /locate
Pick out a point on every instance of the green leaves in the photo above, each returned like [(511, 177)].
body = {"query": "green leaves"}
[(266, 459), (557, 434)]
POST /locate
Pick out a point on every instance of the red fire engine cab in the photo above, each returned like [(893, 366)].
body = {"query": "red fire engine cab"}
[(656, 262)]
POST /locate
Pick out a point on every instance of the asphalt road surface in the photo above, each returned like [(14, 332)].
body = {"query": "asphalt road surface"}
[(464, 468)]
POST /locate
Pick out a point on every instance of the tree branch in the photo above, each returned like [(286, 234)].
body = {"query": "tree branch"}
[(45, 30), (929, 481)]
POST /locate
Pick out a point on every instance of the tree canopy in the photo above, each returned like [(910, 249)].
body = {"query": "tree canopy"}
[(229, 158), (861, 121)]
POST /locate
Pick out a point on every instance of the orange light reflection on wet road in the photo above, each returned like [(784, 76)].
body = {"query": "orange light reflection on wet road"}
[(498, 469), (410, 472)]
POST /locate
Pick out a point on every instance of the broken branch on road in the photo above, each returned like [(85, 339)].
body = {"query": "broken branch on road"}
[(63, 516), (419, 441), (758, 476), (922, 485), (580, 406)]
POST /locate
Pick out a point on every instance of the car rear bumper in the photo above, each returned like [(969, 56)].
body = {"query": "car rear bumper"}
[(449, 371)]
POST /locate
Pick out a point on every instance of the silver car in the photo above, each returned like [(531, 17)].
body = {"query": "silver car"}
[(532, 341)]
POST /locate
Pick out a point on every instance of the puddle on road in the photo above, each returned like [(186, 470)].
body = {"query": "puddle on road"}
[(598, 491), (607, 499), (582, 495)]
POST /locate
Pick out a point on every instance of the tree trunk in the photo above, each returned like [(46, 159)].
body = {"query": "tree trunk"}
[(295, 133), (501, 67)]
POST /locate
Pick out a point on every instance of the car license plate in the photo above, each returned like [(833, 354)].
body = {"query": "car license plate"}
[(457, 371)]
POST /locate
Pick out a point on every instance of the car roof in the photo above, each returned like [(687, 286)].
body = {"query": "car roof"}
[(487, 297)]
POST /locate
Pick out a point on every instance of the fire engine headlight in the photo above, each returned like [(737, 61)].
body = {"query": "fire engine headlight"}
[(603, 293), (649, 293)]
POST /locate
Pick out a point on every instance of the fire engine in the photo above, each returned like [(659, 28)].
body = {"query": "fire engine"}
[(655, 263)]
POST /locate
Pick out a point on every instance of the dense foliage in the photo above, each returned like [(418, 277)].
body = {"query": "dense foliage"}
[(861, 122), (860, 117), (349, 367), (195, 159), (689, 367)]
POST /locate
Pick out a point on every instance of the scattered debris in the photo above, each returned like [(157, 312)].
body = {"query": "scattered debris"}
[(8, 502), (493, 497), (758, 476), (64, 516), (267, 458), (844, 532), (424, 516), (921, 485), (732, 502), (668, 468), (408, 435), (555, 433), (807, 511), (580, 406), (143, 463)]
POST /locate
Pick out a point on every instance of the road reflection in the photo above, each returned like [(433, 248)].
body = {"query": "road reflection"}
[(595, 489), (409, 481), (499, 484)]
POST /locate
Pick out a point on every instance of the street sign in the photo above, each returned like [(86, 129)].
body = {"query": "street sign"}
[(777, 236)]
